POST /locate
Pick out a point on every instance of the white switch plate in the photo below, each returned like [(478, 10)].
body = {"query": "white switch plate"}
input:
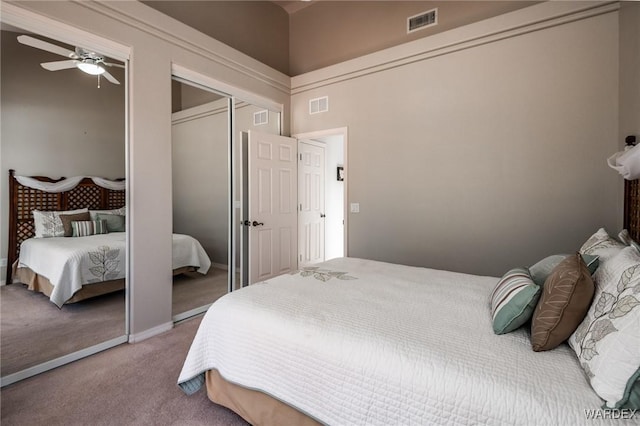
[(3, 262), (355, 207)]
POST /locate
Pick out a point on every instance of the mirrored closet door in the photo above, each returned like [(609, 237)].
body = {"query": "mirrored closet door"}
[(60, 121), (201, 182)]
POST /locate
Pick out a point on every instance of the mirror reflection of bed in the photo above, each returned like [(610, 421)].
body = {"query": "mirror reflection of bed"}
[(55, 123), (67, 242), (200, 176)]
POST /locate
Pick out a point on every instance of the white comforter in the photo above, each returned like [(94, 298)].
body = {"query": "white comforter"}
[(386, 344), (69, 263)]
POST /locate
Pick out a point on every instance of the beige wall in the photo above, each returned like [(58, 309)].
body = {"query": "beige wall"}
[(56, 123), (258, 28), (629, 70), (485, 158), (329, 32), (200, 143), (156, 42)]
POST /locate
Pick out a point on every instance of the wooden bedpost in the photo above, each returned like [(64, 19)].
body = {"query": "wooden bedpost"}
[(632, 208), (11, 249)]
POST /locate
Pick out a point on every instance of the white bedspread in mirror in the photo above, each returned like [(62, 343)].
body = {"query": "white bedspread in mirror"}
[(71, 262)]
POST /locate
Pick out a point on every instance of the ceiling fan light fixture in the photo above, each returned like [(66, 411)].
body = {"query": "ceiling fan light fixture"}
[(90, 67)]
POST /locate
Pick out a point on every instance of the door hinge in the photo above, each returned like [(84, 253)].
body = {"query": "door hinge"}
[(300, 157), (300, 258), (300, 207)]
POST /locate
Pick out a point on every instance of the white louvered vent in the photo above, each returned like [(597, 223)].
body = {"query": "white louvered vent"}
[(422, 20), (318, 105), (260, 117)]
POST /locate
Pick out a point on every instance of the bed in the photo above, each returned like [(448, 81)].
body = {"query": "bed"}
[(354, 342), (69, 270)]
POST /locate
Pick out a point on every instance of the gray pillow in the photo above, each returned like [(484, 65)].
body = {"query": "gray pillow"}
[(541, 270), (115, 223)]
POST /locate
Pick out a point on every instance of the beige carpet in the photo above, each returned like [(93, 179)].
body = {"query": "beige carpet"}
[(192, 290), (127, 385), (33, 330)]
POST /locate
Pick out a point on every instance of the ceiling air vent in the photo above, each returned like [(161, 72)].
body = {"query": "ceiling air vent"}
[(319, 105), (260, 117), (422, 20)]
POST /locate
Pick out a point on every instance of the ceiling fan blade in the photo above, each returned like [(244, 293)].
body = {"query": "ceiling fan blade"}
[(109, 77), (59, 65), (44, 45), (111, 64)]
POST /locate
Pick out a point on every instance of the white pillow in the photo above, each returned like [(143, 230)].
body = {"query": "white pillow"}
[(607, 342), (48, 223), (122, 211), (626, 238), (603, 245)]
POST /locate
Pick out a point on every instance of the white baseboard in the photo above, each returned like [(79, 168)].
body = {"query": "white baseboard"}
[(143, 335)]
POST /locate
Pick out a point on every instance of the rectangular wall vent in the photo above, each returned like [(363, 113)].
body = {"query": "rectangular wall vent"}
[(422, 20), (319, 105), (260, 117)]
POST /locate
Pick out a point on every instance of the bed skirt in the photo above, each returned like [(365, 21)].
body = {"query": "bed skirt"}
[(36, 282), (41, 284), (255, 407)]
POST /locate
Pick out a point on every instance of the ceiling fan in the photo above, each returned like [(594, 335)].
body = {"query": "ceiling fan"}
[(89, 62)]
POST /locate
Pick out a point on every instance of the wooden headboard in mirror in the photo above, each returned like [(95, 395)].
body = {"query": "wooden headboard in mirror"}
[(23, 200)]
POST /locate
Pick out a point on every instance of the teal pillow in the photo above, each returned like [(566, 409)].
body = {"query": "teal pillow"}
[(115, 223), (541, 270), (633, 390), (513, 300)]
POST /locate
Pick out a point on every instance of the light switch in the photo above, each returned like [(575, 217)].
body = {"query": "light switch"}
[(355, 207)]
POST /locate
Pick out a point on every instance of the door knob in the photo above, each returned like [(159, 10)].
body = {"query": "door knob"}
[(254, 223), (323, 215), (245, 223)]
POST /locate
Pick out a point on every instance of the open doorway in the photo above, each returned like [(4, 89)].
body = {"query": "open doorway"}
[(322, 194)]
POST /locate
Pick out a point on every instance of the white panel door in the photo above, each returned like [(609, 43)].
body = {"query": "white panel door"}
[(272, 198), (311, 218)]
